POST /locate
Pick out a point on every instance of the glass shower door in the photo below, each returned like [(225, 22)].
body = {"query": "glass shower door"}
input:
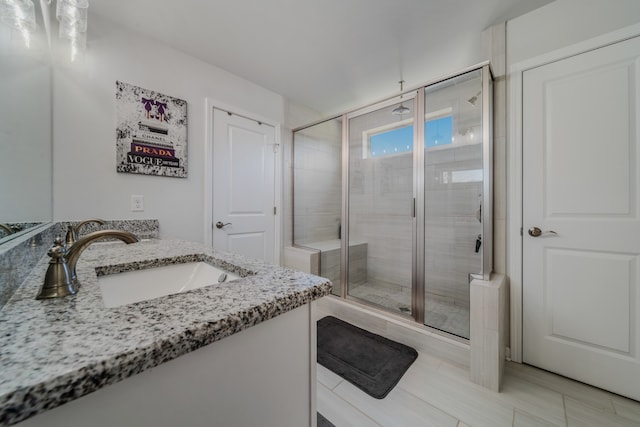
[(393, 202), (381, 205)]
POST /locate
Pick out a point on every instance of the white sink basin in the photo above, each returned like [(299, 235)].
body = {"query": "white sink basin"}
[(141, 285)]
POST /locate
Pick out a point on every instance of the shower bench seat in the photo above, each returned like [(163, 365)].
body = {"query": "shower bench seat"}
[(323, 259)]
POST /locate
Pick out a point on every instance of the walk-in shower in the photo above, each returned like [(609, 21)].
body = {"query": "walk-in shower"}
[(409, 195)]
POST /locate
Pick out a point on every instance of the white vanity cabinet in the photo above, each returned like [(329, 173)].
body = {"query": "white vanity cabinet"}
[(262, 376)]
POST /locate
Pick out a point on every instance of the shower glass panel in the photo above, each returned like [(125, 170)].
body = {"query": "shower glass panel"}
[(395, 205), (381, 147), (317, 196), (453, 199)]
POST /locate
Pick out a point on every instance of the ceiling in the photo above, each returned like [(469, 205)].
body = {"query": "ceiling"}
[(328, 55)]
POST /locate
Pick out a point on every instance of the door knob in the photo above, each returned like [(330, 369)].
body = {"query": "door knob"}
[(536, 232), (219, 224)]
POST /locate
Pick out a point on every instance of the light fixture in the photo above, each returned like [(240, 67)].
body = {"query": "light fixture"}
[(72, 18), (20, 15), (400, 109)]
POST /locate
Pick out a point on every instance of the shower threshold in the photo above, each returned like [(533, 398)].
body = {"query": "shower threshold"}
[(439, 314)]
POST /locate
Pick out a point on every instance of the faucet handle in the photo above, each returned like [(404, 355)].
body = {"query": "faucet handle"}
[(70, 237), (72, 231), (58, 250), (57, 280), (88, 221)]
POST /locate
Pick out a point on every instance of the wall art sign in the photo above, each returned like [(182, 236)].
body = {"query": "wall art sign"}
[(151, 132)]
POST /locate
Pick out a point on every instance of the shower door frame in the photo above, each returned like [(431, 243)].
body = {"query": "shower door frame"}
[(417, 95)]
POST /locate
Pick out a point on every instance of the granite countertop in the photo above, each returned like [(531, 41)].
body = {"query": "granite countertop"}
[(54, 351)]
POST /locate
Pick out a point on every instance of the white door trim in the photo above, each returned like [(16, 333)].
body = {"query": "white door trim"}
[(514, 171), (210, 104)]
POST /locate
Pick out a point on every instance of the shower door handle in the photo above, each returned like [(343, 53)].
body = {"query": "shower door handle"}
[(536, 232)]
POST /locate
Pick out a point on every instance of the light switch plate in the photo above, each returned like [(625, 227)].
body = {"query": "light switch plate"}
[(137, 203)]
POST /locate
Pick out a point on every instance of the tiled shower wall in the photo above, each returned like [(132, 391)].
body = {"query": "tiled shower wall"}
[(451, 224), (317, 193), (381, 204), (453, 205), (381, 195), (380, 208)]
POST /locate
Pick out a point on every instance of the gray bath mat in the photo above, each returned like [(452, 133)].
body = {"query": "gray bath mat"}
[(323, 422), (370, 362)]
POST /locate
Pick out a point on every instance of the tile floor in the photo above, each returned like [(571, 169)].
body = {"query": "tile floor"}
[(439, 314), (435, 393)]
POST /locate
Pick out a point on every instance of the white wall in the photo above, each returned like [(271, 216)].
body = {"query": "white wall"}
[(86, 183), (25, 129), (566, 22)]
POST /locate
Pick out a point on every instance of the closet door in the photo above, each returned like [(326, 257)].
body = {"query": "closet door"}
[(581, 217), (244, 157)]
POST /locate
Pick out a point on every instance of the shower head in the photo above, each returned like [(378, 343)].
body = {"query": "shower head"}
[(400, 109), (474, 99)]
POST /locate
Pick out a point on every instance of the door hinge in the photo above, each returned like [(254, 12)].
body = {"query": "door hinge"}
[(521, 231), (274, 210), (414, 208)]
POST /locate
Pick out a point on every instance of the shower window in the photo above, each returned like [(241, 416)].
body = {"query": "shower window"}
[(381, 141), (397, 138)]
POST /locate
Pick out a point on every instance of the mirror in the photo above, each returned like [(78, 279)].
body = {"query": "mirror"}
[(25, 131)]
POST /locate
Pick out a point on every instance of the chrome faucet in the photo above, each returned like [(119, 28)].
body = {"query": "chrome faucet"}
[(72, 232), (60, 279)]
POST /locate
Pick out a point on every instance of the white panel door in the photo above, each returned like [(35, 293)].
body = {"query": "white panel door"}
[(243, 186), (581, 288)]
